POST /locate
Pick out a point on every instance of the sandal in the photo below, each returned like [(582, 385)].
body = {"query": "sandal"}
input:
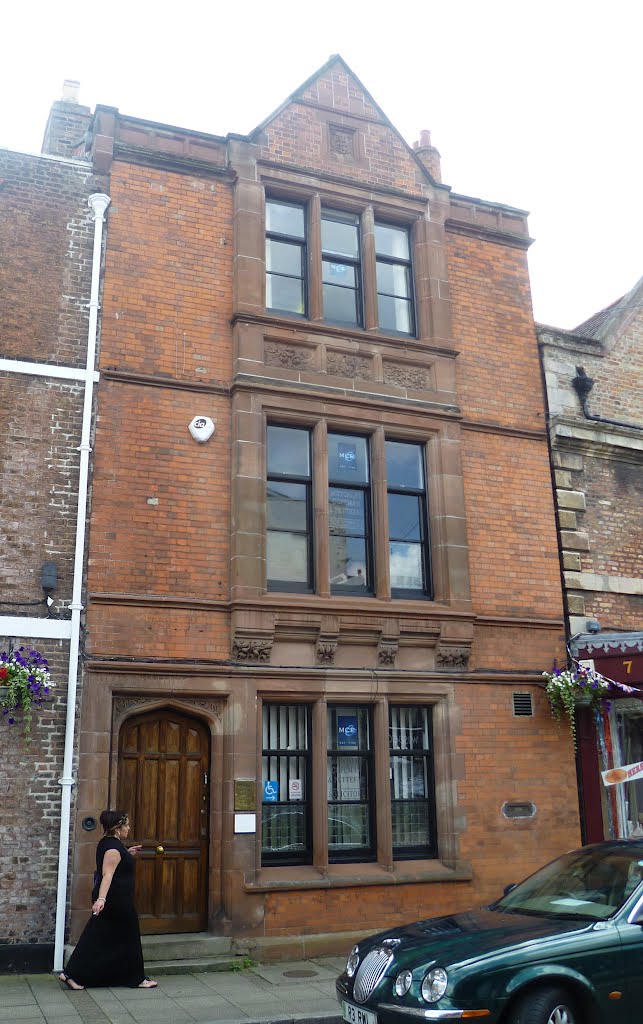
[(70, 983), (148, 983)]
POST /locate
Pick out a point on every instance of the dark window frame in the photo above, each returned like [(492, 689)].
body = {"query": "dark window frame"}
[(306, 856), (302, 244), (335, 216), (292, 586), (429, 851), (426, 592), (409, 265), (367, 489), (357, 854)]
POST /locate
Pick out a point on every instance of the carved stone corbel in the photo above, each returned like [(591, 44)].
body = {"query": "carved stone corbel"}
[(387, 652), (326, 648)]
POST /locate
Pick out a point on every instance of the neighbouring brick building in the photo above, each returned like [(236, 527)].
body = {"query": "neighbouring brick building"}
[(315, 637), (47, 232), (594, 381)]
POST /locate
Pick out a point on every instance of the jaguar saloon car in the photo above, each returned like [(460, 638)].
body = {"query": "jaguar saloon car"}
[(563, 947)]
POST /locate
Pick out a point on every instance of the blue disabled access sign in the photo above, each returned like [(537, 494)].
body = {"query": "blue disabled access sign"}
[(270, 792)]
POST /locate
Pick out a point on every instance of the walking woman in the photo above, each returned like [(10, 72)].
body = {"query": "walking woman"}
[(109, 951)]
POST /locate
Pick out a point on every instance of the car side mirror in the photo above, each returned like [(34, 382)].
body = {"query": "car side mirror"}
[(637, 917)]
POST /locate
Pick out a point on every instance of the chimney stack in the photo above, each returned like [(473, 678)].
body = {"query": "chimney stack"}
[(67, 125), (428, 155)]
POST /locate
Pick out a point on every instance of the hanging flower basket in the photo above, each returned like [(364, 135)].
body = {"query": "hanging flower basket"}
[(26, 683), (574, 687)]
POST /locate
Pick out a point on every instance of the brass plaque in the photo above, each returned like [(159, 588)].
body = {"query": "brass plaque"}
[(245, 795)]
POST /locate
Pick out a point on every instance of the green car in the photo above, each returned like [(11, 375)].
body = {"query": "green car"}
[(563, 947)]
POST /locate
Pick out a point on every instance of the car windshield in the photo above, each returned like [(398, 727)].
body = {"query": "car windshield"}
[(592, 883)]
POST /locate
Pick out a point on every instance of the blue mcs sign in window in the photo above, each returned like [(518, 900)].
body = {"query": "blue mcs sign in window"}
[(347, 734)]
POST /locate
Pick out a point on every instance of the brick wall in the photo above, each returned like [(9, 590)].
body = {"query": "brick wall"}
[(31, 809), (160, 521), (46, 236)]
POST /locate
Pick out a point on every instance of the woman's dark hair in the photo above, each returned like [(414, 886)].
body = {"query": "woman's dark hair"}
[(112, 819)]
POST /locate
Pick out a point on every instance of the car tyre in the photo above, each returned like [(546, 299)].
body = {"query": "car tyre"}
[(545, 1006)]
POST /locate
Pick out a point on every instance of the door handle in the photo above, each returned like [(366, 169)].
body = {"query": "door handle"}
[(160, 849)]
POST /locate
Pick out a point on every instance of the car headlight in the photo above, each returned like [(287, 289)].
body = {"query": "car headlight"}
[(434, 985), (353, 961), (403, 983)]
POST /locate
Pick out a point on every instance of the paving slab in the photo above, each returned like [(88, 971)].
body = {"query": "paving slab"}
[(293, 992)]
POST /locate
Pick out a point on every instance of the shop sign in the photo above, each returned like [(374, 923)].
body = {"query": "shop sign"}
[(627, 773)]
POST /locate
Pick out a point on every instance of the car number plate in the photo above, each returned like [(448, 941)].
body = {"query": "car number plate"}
[(356, 1015)]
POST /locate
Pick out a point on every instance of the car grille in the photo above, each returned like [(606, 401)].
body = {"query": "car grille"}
[(370, 972)]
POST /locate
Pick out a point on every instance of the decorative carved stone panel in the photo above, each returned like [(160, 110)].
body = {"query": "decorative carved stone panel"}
[(341, 141), (386, 652), (341, 365), (122, 705), (288, 356), (251, 649), (452, 657), (415, 378), (326, 651)]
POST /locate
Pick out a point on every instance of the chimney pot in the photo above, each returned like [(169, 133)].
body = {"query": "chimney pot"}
[(71, 90), (425, 138)]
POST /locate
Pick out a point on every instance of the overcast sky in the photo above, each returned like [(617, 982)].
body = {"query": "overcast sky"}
[(532, 103)]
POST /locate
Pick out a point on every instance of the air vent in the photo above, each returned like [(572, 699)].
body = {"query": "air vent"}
[(519, 810), (523, 705)]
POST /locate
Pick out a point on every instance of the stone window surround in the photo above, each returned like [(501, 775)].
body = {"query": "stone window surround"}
[(368, 214), (340, 874), (447, 531), (428, 258)]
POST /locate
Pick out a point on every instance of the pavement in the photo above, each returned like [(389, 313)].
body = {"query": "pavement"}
[(300, 992)]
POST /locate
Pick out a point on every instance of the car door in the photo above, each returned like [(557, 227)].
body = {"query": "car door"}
[(629, 973)]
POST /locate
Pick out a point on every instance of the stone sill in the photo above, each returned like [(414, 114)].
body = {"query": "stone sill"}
[(345, 876)]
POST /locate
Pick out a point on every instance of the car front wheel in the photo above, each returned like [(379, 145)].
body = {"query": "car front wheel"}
[(544, 1006)]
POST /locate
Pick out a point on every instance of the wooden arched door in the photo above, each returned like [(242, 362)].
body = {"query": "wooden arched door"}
[(163, 782)]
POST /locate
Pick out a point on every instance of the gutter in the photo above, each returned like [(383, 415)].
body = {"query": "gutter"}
[(98, 203)]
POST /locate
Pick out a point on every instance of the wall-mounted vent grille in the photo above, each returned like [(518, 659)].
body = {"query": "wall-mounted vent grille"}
[(523, 705)]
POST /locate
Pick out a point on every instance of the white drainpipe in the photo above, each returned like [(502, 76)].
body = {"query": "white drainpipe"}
[(98, 204)]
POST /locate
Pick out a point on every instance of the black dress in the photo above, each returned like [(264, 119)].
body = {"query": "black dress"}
[(109, 951)]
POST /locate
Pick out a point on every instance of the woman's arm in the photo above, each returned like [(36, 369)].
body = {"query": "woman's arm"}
[(111, 860)]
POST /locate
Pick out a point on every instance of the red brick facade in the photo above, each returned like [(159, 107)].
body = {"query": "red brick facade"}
[(180, 620)]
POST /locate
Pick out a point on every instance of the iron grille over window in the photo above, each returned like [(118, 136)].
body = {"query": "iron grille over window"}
[(412, 785), (285, 811)]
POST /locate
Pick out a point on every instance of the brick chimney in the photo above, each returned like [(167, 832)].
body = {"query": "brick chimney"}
[(428, 155), (67, 124)]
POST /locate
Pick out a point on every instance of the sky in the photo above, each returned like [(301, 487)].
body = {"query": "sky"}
[(531, 103)]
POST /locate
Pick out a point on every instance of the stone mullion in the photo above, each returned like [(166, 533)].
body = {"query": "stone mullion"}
[(380, 515), (320, 509), (314, 281), (369, 269), (319, 789), (382, 786)]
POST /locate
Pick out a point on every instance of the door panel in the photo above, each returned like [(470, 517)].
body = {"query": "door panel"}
[(164, 762)]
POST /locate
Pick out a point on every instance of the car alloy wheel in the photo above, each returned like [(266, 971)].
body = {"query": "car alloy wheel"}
[(544, 1006)]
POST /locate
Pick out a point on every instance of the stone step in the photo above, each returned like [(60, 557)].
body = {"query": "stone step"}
[(198, 965), (189, 946)]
